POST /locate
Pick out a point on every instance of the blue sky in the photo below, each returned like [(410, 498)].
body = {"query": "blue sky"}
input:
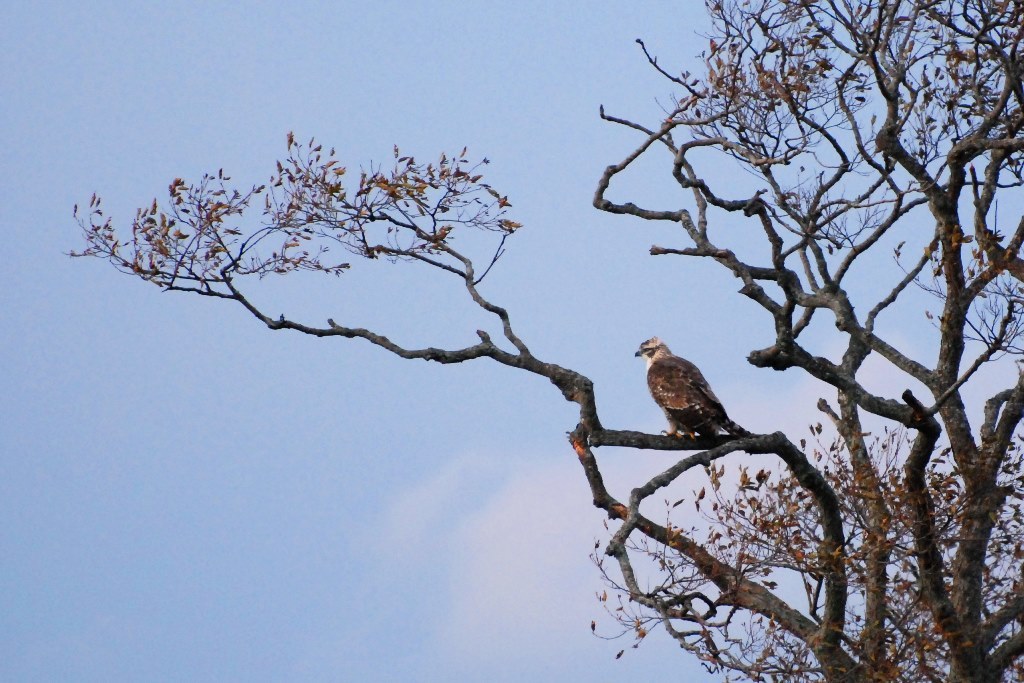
[(189, 496)]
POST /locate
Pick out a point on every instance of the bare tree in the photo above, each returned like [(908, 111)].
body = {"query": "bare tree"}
[(866, 129)]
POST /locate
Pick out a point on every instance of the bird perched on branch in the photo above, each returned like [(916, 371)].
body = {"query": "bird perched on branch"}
[(683, 394)]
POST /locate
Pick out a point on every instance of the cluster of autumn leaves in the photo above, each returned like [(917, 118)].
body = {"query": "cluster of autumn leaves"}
[(205, 234)]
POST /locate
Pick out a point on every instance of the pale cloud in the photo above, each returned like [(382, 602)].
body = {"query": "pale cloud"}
[(523, 587), (512, 588), (418, 513), (521, 580)]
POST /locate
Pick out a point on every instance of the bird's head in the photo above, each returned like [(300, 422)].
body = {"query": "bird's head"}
[(650, 348)]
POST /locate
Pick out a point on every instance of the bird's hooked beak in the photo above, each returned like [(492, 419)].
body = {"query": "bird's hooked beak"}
[(637, 354)]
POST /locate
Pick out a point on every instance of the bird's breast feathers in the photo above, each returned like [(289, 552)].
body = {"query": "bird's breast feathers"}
[(675, 383)]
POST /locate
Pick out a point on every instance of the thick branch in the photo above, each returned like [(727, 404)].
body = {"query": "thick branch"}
[(931, 567)]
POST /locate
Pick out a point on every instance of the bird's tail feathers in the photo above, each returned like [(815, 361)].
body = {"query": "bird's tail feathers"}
[(734, 429)]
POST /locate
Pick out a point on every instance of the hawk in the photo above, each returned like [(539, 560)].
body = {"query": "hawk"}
[(682, 392)]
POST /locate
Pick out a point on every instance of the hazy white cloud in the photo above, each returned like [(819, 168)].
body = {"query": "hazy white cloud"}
[(520, 578), (416, 514), (521, 585)]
